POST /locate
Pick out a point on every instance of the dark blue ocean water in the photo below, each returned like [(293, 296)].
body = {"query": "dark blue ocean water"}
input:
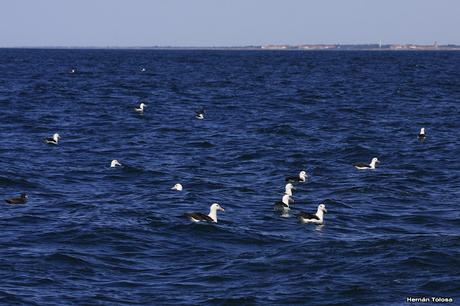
[(92, 235)]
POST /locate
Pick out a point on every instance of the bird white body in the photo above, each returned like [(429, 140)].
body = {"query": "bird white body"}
[(199, 116), (287, 199), (177, 187)]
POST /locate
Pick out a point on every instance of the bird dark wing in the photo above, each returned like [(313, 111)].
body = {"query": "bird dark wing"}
[(50, 140), (360, 165), (16, 201), (281, 204), (292, 179), (308, 216), (278, 207), (199, 216)]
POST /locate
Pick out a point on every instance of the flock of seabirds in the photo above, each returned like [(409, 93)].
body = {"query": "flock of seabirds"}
[(280, 206)]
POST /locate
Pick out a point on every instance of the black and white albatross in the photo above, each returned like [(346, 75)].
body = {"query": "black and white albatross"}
[(140, 109), (284, 203), (301, 178), (317, 218), (53, 140), (363, 166), (422, 134), (199, 114), (211, 217)]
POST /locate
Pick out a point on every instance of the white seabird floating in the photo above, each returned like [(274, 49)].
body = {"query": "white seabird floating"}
[(200, 114), (317, 218), (211, 217), (140, 109), (115, 163), (422, 134), (283, 205), (301, 178), (177, 187), (363, 166), (53, 140)]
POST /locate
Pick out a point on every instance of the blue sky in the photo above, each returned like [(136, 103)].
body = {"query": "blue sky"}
[(226, 22)]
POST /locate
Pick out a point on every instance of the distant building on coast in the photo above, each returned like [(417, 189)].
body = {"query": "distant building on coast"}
[(370, 47), (414, 47), (317, 47), (275, 47)]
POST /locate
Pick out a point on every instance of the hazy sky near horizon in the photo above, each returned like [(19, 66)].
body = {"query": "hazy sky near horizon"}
[(226, 22)]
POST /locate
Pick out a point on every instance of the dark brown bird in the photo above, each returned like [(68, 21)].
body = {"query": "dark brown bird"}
[(19, 200)]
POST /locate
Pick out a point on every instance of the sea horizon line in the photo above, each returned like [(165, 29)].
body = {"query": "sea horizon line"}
[(284, 47)]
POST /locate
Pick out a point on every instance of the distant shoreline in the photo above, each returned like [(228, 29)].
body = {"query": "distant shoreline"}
[(309, 47)]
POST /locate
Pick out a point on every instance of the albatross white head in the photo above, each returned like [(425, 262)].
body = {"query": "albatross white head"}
[(373, 162), (321, 211), (56, 137), (177, 187), (303, 176), (288, 189), (115, 163), (213, 211)]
